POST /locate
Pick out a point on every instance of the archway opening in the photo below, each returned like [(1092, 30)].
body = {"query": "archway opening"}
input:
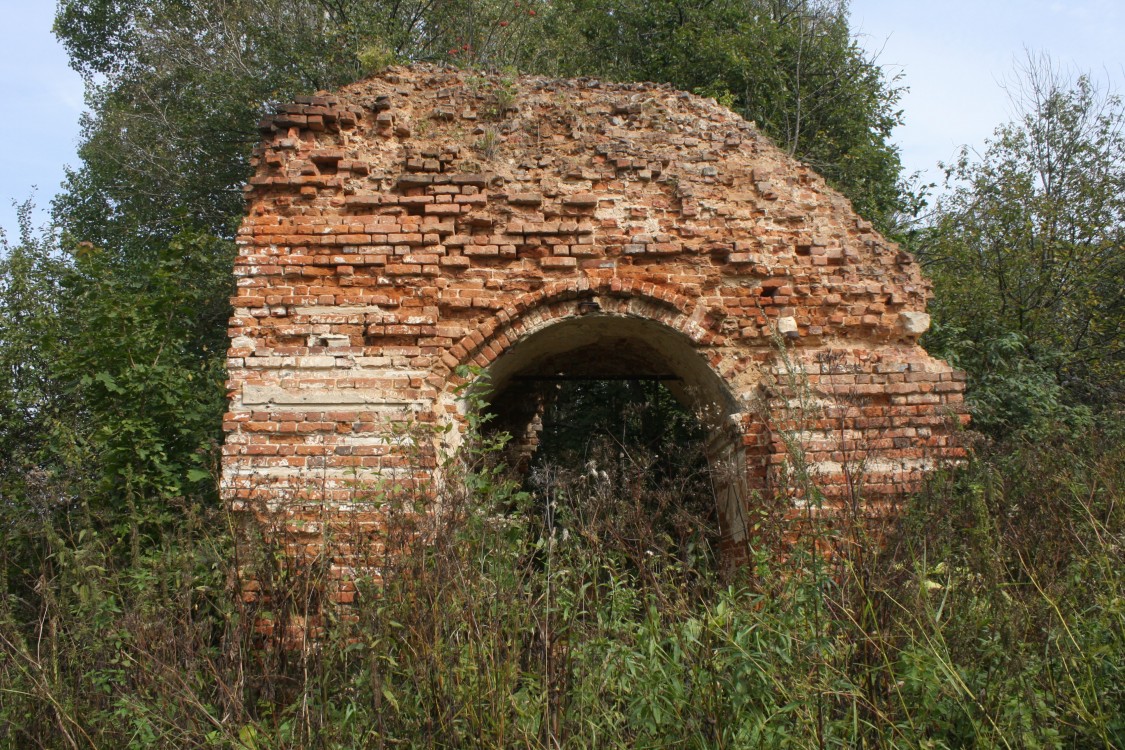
[(621, 430)]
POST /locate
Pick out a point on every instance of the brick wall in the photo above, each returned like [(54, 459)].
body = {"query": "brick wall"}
[(428, 218)]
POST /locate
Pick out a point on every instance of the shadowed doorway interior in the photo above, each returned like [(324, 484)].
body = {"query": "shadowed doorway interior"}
[(617, 429)]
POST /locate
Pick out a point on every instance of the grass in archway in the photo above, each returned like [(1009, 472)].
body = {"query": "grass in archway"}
[(624, 460)]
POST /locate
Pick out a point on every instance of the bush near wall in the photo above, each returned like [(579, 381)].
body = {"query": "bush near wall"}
[(994, 617)]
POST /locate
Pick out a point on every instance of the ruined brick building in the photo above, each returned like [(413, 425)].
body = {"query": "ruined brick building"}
[(429, 218)]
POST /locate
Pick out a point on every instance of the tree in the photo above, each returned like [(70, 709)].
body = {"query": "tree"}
[(30, 294), (176, 88), (1026, 252), (36, 484), (111, 382), (141, 358)]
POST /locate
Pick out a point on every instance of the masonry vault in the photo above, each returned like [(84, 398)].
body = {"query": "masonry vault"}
[(428, 218)]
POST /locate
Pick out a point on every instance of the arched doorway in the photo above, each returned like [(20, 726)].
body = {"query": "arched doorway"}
[(604, 342)]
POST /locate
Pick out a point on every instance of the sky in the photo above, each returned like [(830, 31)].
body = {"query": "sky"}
[(954, 56), (39, 127)]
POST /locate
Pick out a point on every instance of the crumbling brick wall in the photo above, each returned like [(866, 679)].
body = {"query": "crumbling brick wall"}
[(427, 218)]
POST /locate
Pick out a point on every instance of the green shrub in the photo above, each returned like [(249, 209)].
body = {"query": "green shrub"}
[(994, 617)]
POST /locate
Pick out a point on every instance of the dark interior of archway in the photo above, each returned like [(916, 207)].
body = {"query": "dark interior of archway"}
[(608, 438)]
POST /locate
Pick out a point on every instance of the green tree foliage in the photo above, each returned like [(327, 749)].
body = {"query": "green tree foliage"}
[(1027, 252), (140, 357), (40, 474), (38, 481), (29, 296), (110, 387), (176, 87)]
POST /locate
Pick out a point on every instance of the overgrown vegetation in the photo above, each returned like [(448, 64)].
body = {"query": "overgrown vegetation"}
[(995, 617), (1026, 255)]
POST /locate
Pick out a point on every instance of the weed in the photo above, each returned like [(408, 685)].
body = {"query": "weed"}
[(590, 616), (489, 143)]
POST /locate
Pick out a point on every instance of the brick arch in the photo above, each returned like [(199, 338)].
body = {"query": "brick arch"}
[(535, 314), (402, 227), (676, 345), (559, 301)]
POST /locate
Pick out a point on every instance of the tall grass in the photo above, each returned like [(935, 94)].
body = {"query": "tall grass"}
[(590, 614)]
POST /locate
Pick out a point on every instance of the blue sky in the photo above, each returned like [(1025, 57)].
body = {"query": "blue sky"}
[(953, 55), (956, 55), (43, 100)]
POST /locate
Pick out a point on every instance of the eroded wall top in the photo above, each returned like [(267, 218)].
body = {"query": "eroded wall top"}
[(452, 175)]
